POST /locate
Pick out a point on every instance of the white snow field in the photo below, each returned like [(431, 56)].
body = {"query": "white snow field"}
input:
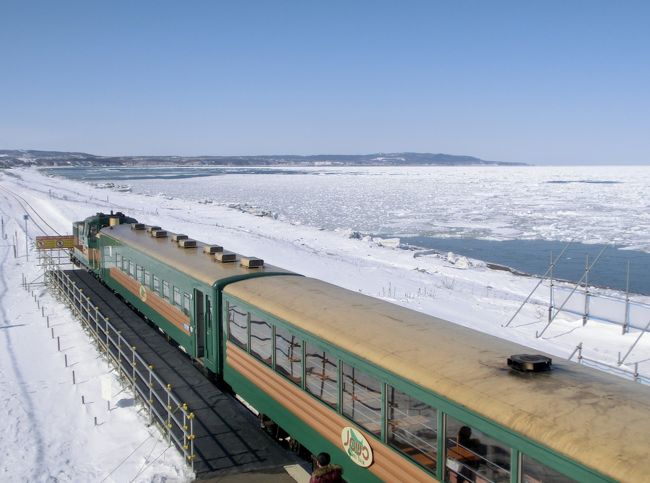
[(48, 435)]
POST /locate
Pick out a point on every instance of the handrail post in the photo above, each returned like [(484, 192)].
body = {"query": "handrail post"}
[(169, 408), (150, 367), (191, 416), (185, 427), (133, 369)]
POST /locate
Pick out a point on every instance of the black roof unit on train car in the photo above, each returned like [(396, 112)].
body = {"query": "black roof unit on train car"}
[(191, 261)]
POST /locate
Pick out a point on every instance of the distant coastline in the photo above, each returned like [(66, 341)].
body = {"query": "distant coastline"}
[(15, 157)]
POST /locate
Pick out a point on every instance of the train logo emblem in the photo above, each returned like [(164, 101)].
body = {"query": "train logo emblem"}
[(356, 446), (143, 293)]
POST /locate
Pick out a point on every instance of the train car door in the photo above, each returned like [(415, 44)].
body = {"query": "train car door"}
[(199, 318)]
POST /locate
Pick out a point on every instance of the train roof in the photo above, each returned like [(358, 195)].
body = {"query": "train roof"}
[(594, 418), (191, 261)]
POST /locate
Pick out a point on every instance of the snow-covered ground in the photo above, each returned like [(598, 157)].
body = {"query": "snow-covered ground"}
[(48, 433)]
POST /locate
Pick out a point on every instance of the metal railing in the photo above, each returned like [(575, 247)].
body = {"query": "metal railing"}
[(618, 310), (632, 374), (163, 406)]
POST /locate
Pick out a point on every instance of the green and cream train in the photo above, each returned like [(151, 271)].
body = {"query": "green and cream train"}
[(393, 395)]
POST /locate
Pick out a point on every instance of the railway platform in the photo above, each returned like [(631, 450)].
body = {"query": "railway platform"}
[(226, 437)]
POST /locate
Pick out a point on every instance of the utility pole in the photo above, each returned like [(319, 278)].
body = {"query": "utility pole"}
[(26, 217)]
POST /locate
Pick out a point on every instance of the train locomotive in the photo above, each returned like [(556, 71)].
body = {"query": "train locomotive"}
[(392, 394)]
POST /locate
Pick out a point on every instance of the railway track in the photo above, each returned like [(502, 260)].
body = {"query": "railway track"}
[(27, 207)]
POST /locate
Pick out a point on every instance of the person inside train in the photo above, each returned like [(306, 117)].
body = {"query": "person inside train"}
[(472, 460)]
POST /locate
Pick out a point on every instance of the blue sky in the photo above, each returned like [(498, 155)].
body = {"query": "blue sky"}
[(564, 82)]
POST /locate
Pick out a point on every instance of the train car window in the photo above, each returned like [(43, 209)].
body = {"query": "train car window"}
[(288, 355), (412, 428), (186, 303), (118, 261), (177, 296), (139, 273), (238, 326), (472, 455), (125, 265), (532, 471), (362, 398), (108, 257), (147, 278), (131, 268), (156, 284), (322, 375), (261, 340), (166, 289)]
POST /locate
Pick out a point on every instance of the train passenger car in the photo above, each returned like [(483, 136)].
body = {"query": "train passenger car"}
[(174, 281), (395, 395)]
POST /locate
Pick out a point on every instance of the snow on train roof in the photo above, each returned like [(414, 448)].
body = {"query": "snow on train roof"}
[(594, 418), (191, 261)]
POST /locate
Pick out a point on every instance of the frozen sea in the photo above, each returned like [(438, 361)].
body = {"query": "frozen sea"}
[(537, 210)]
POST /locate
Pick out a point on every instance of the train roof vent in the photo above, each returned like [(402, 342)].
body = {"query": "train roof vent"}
[(178, 237), (137, 226), (251, 262), (187, 243), (212, 249), (159, 233), (152, 228), (530, 363), (225, 257)]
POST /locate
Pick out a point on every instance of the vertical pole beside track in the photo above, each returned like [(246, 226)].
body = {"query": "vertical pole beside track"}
[(550, 295), (585, 316), (26, 217), (626, 320)]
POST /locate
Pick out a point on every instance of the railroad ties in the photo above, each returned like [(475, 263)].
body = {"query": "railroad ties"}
[(227, 439)]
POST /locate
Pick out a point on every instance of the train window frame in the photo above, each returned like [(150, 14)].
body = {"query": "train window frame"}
[(118, 261), (132, 269), (165, 290), (155, 284), (177, 300), (475, 456), (290, 375), (256, 350), (379, 413), (187, 304), (139, 273), (147, 278), (241, 344), (328, 357), (522, 469), (438, 422), (108, 256)]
